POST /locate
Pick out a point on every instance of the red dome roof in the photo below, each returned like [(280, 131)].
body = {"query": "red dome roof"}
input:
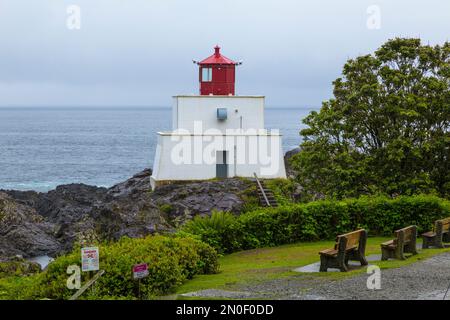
[(217, 58)]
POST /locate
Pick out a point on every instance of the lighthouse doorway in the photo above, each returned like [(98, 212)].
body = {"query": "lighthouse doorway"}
[(222, 164)]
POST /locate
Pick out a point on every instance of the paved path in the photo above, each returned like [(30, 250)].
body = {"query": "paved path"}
[(428, 279)]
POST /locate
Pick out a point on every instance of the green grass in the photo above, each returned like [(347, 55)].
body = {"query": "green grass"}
[(258, 265), (273, 263)]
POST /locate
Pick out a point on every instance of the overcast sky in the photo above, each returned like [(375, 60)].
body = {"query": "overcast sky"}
[(139, 52)]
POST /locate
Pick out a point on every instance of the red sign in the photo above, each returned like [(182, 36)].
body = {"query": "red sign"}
[(140, 271)]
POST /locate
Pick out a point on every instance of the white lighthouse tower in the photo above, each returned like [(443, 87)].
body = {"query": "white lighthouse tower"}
[(217, 134)]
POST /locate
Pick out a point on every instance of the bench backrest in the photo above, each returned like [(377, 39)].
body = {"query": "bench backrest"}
[(445, 224), (409, 234), (352, 238)]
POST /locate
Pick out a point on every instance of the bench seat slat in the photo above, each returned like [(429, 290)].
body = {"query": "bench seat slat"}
[(429, 234), (329, 252), (389, 243), (333, 252)]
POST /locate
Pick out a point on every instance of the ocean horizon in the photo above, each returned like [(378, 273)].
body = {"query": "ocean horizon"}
[(43, 147)]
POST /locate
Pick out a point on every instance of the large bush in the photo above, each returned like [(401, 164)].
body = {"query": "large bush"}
[(319, 220), (387, 128), (171, 261)]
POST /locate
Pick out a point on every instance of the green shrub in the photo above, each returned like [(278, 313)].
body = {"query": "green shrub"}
[(20, 287), (282, 190), (208, 262), (250, 198), (171, 260), (18, 267), (166, 208), (319, 220), (221, 231)]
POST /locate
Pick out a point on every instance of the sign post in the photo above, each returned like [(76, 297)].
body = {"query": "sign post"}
[(140, 271), (90, 263)]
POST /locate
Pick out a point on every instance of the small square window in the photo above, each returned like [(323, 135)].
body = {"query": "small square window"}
[(206, 74)]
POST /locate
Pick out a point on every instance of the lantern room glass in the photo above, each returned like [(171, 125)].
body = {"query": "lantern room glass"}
[(206, 74)]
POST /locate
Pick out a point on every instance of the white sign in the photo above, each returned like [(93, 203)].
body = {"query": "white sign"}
[(90, 259)]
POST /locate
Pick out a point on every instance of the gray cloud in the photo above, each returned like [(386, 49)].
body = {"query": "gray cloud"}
[(138, 52)]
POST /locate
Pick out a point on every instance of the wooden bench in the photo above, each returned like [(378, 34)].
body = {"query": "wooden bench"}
[(404, 242), (349, 246), (440, 234)]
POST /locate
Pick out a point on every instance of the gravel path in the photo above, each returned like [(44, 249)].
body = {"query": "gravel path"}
[(428, 279)]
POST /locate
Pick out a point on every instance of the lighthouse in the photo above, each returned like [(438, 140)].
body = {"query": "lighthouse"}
[(217, 134)]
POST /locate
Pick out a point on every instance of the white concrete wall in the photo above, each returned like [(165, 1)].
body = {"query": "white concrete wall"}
[(188, 109), (266, 162)]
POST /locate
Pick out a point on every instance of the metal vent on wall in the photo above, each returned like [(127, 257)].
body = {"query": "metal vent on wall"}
[(221, 113)]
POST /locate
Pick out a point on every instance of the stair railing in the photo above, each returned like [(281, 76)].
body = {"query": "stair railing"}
[(262, 189)]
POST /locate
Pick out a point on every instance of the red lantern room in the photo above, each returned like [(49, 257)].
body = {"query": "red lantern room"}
[(217, 75)]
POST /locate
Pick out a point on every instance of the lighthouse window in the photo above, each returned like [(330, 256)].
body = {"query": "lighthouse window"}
[(206, 74)]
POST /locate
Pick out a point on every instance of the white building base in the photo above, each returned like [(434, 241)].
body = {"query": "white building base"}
[(189, 157)]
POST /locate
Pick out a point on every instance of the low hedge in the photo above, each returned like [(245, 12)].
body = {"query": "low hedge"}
[(171, 261), (319, 220)]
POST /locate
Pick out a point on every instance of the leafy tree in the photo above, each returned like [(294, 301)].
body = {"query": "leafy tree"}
[(387, 128)]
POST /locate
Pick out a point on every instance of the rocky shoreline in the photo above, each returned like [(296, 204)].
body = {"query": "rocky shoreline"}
[(35, 224)]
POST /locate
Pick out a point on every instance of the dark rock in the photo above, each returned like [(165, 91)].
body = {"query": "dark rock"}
[(81, 213), (289, 154), (138, 184), (23, 231), (201, 198), (290, 172)]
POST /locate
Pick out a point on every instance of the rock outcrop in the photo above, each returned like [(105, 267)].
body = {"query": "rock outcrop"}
[(182, 201), (290, 172), (24, 232), (33, 223)]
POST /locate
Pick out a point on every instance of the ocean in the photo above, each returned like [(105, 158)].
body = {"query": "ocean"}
[(42, 147)]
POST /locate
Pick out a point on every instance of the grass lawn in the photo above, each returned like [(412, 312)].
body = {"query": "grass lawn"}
[(277, 262)]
